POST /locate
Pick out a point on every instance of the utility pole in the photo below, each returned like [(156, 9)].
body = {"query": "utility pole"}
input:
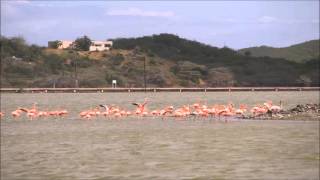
[(76, 74), (144, 75), (54, 83)]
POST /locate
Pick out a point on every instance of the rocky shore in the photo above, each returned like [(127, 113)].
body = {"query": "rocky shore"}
[(303, 112)]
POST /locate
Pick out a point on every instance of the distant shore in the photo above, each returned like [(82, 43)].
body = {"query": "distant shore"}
[(175, 89)]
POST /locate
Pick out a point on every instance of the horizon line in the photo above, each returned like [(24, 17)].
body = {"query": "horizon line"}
[(108, 39)]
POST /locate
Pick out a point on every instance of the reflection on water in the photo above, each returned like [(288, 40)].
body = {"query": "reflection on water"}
[(150, 148)]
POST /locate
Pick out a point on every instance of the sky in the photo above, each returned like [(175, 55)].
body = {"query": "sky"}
[(236, 24)]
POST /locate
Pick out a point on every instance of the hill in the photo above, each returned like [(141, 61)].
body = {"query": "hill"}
[(171, 61), (298, 52)]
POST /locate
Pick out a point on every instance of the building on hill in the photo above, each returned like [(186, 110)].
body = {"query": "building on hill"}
[(60, 44), (65, 44), (95, 46), (100, 45)]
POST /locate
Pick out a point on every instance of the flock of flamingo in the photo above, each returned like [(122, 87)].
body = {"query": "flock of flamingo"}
[(196, 109)]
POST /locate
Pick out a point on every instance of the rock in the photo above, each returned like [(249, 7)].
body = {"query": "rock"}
[(307, 111)]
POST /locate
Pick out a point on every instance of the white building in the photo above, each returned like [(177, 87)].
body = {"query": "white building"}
[(65, 44), (100, 45), (95, 46)]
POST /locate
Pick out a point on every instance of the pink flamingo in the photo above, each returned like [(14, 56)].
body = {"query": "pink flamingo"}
[(241, 110), (16, 113), (1, 114), (273, 108), (141, 107)]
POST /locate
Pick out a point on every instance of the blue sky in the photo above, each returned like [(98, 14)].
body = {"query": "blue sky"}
[(236, 24)]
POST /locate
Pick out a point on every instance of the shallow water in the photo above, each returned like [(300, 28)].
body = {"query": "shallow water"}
[(151, 148)]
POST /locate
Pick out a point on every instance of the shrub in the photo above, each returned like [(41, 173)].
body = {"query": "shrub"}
[(22, 70), (82, 62), (117, 59), (153, 62), (53, 62), (83, 43), (96, 82), (174, 69)]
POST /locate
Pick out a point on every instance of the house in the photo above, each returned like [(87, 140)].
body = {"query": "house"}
[(60, 44), (100, 45), (65, 44), (95, 46)]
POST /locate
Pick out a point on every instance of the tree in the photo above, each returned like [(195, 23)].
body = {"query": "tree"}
[(55, 44), (247, 53), (83, 43)]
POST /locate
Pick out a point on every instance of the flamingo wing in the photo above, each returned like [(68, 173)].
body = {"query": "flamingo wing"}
[(24, 109), (136, 104), (104, 106)]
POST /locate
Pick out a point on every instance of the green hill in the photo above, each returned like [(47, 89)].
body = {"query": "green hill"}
[(298, 52), (171, 61)]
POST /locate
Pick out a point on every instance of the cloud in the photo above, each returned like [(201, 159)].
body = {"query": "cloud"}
[(139, 12), (267, 19), (17, 2), (300, 21), (270, 19), (21, 2), (11, 8)]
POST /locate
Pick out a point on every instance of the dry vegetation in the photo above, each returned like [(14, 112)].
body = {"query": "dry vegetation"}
[(170, 62)]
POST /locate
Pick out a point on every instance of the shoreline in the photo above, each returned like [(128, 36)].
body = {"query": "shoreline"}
[(306, 112), (174, 89)]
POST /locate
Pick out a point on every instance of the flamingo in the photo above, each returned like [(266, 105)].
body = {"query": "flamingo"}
[(128, 113), (115, 110), (42, 113), (106, 107), (106, 113), (83, 113), (16, 113), (117, 114), (155, 112), (31, 113), (92, 112), (52, 113), (108, 110), (88, 116), (123, 113), (141, 107), (241, 110), (273, 109), (62, 113), (259, 110), (184, 111), (1, 114), (167, 110), (196, 105), (276, 109)]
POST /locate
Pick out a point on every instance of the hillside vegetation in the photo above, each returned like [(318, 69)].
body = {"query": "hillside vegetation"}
[(298, 52), (170, 62)]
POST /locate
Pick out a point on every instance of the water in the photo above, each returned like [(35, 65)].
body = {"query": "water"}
[(151, 148)]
